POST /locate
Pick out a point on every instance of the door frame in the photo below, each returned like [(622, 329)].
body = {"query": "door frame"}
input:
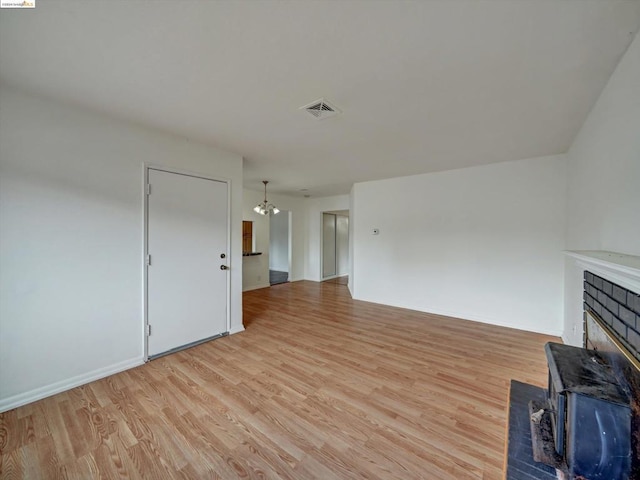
[(335, 275), (289, 241), (322, 278), (145, 243)]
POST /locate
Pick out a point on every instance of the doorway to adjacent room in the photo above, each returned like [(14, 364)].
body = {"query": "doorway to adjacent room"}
[(335, 244), (279, 247)]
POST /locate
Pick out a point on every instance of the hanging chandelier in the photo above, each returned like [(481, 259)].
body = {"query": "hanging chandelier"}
[(264, 207)]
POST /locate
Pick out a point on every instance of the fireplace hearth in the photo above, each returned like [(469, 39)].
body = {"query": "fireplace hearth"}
[(586, 424), (588, 427)]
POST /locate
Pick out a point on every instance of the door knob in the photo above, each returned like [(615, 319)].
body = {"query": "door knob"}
[(224, 267)]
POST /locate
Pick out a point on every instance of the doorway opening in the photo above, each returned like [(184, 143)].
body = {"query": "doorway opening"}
[(335, 244), (279, 247)]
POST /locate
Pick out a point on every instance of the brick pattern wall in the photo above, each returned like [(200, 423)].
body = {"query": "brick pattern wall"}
[(617, 306)]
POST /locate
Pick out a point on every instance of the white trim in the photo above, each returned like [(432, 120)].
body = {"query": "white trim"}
[(321, 256), (289, 239), (256, 287), (615, 267), (67, 384), (189, 173), (335, 214), (474, 318), (238, 329), (333, 277), (497, 323), (335, 246), (145, 211), (229, 256), (145, 249)]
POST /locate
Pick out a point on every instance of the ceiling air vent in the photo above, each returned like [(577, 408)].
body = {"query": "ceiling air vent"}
[(320, 109)]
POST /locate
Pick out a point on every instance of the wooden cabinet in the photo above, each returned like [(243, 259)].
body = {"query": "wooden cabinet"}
[(247, 236)]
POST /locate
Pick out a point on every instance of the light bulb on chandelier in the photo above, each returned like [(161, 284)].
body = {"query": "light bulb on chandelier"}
[(264, 207)]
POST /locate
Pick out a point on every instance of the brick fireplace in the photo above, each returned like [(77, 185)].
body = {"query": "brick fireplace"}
[(608, 283), (617, 306), (609, 286), (586, 424)]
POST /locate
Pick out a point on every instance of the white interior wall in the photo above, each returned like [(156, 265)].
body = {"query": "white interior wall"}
[(71, 232), (604, 167), (603, 201), (306, 223), (71, 246), (482, 243), (279, 241)]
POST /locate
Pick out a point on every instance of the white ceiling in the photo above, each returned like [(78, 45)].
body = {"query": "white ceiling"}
[(423, 85)]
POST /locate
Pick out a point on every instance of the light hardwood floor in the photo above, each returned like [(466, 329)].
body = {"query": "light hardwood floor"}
[(318, 386)]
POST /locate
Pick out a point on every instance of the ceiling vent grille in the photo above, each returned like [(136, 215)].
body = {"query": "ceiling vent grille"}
[(320, 109)]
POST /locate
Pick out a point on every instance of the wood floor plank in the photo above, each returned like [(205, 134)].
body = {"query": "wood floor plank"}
[(318, 386)]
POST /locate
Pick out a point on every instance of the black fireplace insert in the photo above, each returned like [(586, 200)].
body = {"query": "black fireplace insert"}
[(590, 414), (588, 426)]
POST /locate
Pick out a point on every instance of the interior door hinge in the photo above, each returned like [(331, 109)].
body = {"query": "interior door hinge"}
[(148, 189), (148, 259), (148, 330)]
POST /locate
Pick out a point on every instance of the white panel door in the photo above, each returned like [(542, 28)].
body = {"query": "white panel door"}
[(187, 236)]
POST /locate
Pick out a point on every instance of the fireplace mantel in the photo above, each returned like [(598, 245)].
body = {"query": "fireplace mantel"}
[(617, 267)]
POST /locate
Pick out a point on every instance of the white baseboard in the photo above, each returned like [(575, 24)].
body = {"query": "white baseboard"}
[(256, 287), (236, 329), (568, 339), (474, 318), (496, 322), (63, 385)]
